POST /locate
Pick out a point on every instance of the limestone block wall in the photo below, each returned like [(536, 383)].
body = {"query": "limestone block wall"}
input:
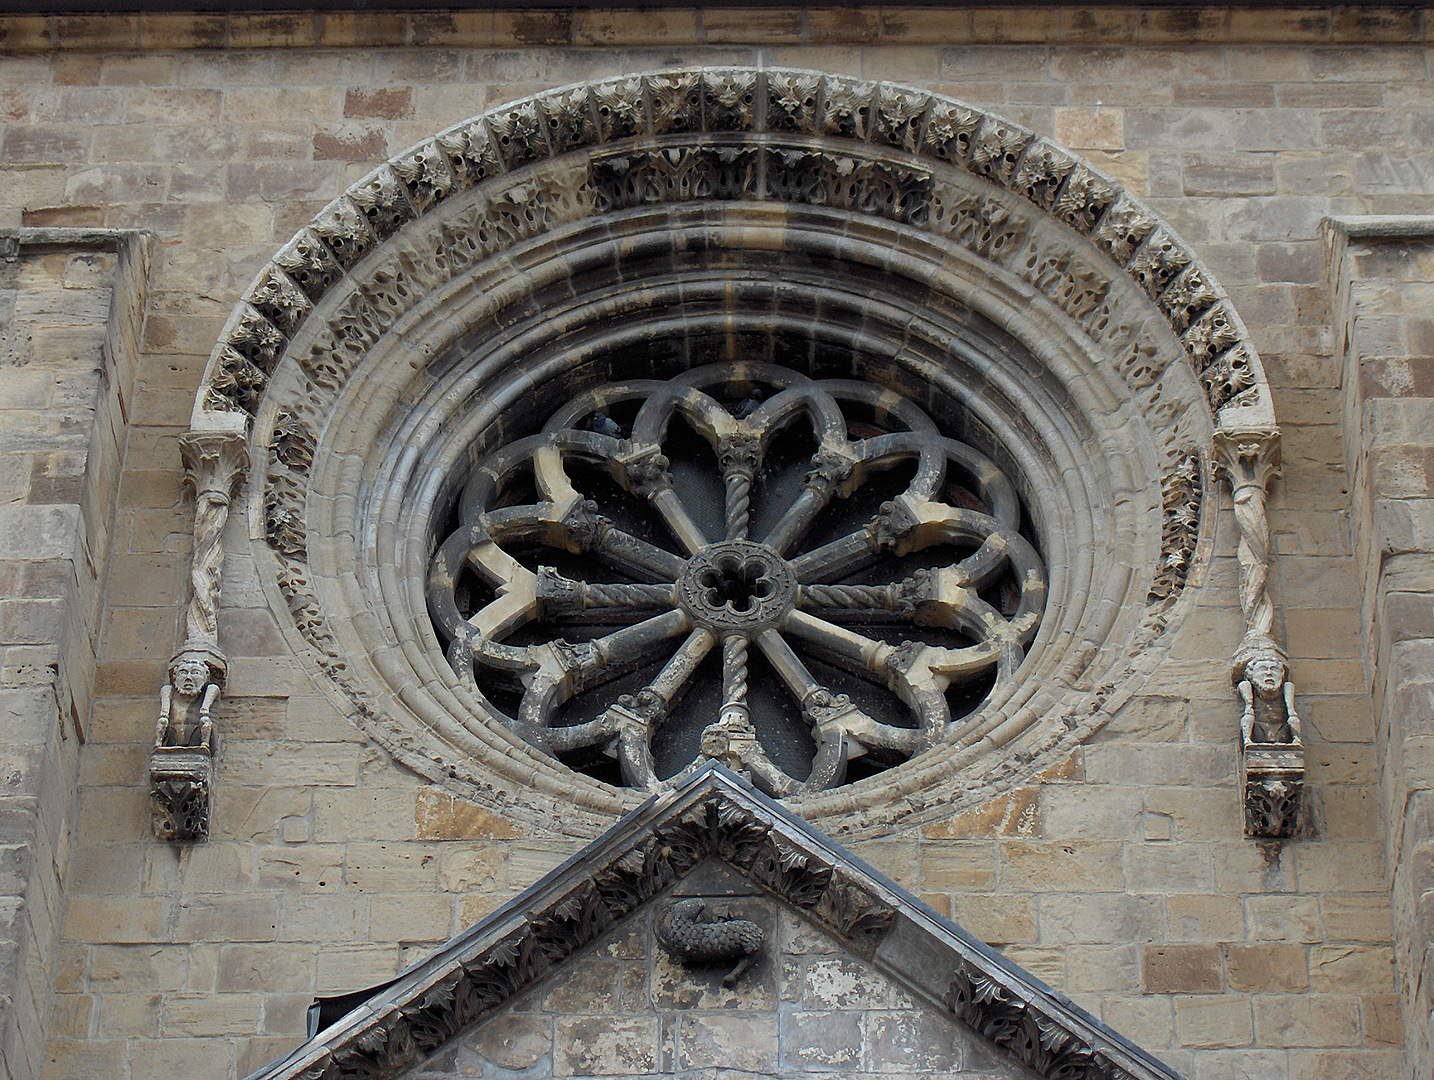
[(1121, 877), (70, 309), (1383, 277)]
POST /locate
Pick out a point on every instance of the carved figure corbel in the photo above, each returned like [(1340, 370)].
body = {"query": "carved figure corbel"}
[(181, 769), (1271, 751), (1261, 677), (196, 679), (182, 763)]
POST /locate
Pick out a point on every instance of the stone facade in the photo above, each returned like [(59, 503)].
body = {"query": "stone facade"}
[(1379, 278), (72, 305), (1120, 874), (808, 1007)]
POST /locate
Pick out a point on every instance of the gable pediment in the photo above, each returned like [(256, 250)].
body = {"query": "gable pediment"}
[(713, 836)]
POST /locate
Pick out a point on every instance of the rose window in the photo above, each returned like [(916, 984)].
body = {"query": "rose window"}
[(805, 579)]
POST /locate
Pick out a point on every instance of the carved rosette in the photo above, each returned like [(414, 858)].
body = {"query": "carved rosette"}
[(1271, 774)]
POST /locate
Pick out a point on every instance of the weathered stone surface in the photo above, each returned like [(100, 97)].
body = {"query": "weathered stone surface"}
[(230, 175), (1182, 969), (845, 1018)]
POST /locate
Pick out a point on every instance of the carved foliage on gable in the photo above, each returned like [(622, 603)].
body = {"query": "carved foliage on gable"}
[(1019, 1025)]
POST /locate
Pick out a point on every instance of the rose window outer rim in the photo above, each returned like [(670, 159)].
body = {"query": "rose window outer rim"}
[(874, 791), (937, 779)]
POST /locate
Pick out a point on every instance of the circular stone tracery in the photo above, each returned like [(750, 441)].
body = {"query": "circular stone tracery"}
[(848, 229), (821, 581)]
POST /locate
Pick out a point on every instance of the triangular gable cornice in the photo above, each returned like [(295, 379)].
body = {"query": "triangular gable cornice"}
[(713, 814)]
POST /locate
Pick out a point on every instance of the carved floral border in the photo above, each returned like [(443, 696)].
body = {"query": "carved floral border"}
[(734, 106)]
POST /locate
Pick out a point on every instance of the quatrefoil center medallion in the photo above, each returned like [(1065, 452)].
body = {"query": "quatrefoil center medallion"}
[(737, 586)]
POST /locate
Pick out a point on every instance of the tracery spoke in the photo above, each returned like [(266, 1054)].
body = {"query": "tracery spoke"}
[(668, 505), (832, 468), (738, 484), (632, 717), (562, 669), (845, 555), (637, 557), (866, 599), (919, 673), (560, 596), (734, 679), (865, 653), (831, 714)]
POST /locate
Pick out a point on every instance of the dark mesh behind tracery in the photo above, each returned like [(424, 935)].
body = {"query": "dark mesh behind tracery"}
[(844, 714)]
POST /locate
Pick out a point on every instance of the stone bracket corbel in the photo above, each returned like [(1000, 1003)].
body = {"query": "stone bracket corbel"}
[(181, 767), (1272, 757)]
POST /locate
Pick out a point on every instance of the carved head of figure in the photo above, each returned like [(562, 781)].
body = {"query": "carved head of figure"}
[(1262, 663), (1266, 674), (190, 672)]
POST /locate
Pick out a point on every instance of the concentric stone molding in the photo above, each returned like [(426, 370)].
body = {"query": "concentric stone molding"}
[(711, 816), (438, 251), (928, 129)]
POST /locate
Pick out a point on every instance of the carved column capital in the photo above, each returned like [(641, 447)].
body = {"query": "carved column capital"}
[(1248, 458), (214, 461)]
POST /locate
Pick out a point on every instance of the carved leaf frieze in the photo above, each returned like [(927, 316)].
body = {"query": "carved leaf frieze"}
[(620, 110), (383, 202), (729, 100), (792, 101), (1041, 172), (279, 299), (1123, 229), (518, 130), (996, 148), (235, 383), (1157, 262), (426, 176), (949, 130), (982, 225), (1083, 199), (844, 107), (344, 228), (471, 153), (310, 264), (675, 102), (897, 117), (568, 119), (1190, 295), (1180, 492)]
